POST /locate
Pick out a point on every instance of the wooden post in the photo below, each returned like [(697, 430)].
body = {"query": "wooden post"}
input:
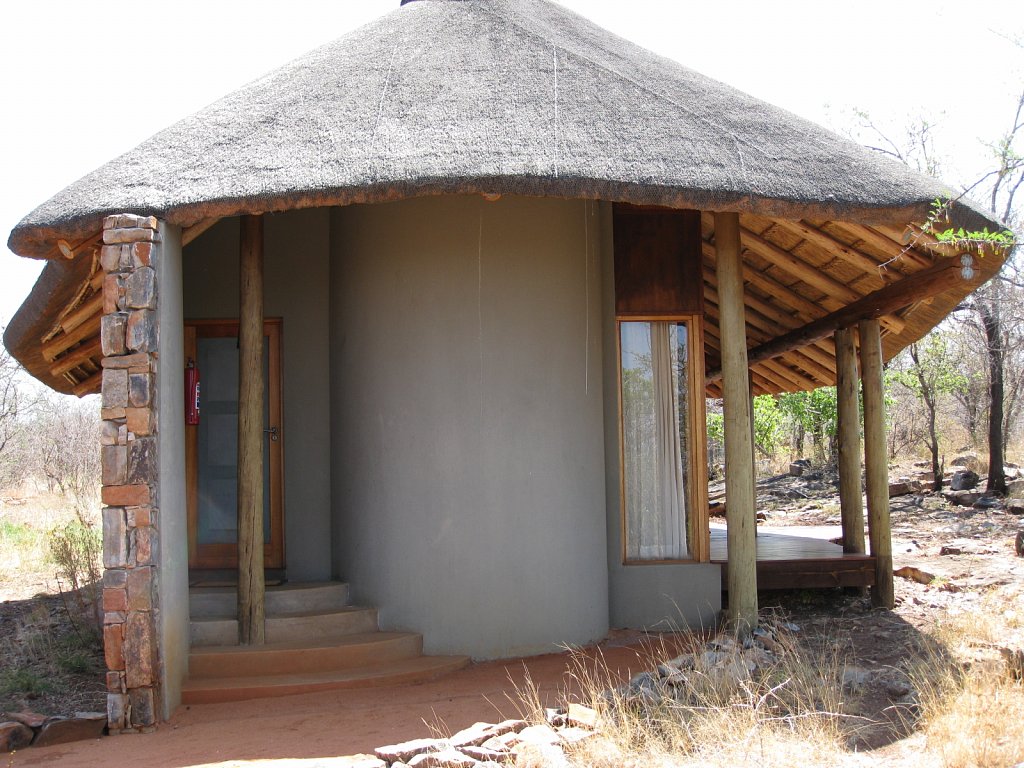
[(250, 434), (876, 469), (739, 470), (849, 443)]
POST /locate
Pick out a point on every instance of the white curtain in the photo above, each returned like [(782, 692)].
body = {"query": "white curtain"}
[(670, 510), (654, 405)]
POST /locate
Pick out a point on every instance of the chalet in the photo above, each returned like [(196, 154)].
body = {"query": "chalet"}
[(455, 289)]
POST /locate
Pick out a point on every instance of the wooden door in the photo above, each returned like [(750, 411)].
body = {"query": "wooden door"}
[(211, 447)]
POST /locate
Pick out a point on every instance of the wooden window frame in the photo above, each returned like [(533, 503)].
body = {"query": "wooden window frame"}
[(697, 523)]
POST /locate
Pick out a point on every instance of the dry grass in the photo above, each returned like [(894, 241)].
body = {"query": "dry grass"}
[(972, 707), (794, 710)]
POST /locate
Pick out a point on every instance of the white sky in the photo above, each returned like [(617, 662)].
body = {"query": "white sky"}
[(68, 67)]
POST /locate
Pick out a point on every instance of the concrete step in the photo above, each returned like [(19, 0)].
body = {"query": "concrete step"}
[(397, 672), (309, 656), (293, 597), (287, 627)]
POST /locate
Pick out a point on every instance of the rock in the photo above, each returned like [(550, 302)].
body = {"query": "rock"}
[(408, 749), (478, 733), (531, 755), (962, 498), (484, 754), (538, 734), (445, 758), (964, 480), (855, 677), (904, 487), (503, 743), (573, 735), (582, 716), (31, 719), (1018, 544), (14, 736), (1015, 489), (1015, 506), (987, 502), (950, 549), (967, 460), (796, 469), (84, 725)]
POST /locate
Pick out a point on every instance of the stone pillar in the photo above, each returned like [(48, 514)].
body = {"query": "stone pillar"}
[(131, 519)]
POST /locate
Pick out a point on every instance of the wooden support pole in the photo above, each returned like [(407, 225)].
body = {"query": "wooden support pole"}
[(739, 469), (250, 434), (849, 442), (876, 469)]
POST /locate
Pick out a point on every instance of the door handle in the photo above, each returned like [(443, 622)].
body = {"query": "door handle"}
[(273, 434)]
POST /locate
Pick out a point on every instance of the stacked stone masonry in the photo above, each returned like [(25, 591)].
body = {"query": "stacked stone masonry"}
[(128, 335)]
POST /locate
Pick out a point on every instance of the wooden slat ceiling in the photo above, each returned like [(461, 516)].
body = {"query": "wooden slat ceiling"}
[(794, 272)]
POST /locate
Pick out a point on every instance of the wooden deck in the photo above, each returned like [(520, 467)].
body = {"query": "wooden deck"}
[(799, 557)]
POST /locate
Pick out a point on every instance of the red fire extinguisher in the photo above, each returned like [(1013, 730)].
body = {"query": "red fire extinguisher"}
[(191, 393)]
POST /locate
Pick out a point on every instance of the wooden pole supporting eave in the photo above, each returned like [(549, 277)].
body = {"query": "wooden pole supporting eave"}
[(251, 630), (850, 502), (739, 468), (876, 469)]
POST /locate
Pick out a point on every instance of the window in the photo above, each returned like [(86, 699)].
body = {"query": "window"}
[(655, 398)]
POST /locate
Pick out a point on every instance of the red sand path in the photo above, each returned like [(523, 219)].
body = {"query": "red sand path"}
[(306, 730)]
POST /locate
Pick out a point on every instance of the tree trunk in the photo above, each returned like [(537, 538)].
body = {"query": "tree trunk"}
[(991, 318)]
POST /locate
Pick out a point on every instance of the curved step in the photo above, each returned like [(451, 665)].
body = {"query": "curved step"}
[(286, 627), (399, 672), (365, 649), (293, 597)]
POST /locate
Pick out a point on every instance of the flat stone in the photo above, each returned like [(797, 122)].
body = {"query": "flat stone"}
[(133, 235), (584, 716), (484, 754), (115, 600), (142, 254), (137, 360), (140, 289), (531, 755), (406, 750), (140, 335), (140, 389), (113, 464), (474, 736), (138, 654), (125, 496), (14, 736), (115, 388), (113, 292), (113, 645), (140, 589), (110, 257), (539, 734), (84, 725), (142, 461), (574, 734), (117, 708), (143, 707), (445, 758), (115, 537), (30, 719), (139, 420), (143, 546)]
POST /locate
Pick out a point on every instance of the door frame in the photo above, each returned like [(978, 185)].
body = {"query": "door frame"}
[(225, 556)]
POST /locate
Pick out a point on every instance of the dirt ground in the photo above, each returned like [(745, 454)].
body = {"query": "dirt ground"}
[(967, 551)]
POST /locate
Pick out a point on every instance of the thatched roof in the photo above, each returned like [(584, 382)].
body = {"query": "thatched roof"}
[(493, 96)]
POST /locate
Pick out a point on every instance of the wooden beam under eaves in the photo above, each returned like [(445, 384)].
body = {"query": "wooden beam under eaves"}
[(928, 282)]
